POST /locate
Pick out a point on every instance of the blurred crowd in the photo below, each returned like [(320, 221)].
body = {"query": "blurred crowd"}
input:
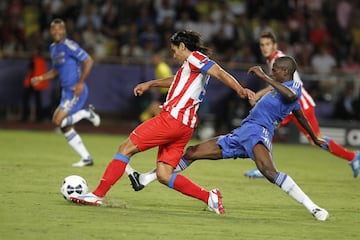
[(323, 36)]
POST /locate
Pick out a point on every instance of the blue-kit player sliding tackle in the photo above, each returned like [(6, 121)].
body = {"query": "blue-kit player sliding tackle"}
[(269, 50), (71, 65), (254, 138)]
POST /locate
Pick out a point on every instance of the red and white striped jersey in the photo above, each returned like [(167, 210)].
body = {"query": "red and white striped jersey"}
[(188, 89), (306, 101)]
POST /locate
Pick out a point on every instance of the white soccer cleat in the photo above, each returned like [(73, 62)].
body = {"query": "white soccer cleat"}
[(87, 199), (215, 202), (320, 214), (84, 163), (94, 117)]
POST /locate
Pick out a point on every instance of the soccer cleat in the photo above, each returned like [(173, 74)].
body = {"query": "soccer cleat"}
[(94, 117), (135, 182), (87, 199), (84, 163), (255, 173), (355, 164), (215, 203), (320, 214)]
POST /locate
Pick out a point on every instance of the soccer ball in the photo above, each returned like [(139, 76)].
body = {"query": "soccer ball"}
[(73, 186)]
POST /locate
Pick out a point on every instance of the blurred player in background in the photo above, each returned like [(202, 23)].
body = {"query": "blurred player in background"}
[(269, 49), (158, 95), (172, 129), (37, 66), (72, 65)]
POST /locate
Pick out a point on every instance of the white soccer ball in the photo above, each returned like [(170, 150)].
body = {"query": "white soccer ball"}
[(73, 186)]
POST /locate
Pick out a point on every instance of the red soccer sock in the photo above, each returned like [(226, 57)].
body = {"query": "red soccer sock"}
[(340, 151), (113, 172), (189, 188)]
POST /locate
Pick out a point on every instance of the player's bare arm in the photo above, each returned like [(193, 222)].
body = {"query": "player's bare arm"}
[(217, 72), (282, 89), (305, 124), (86, 67), (260, 94), (46, 76), (143, 87)]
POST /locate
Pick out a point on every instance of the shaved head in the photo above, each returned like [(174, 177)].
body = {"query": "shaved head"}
[(288, 63)]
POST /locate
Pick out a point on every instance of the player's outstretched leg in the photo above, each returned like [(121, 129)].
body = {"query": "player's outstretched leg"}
[(288, 185)]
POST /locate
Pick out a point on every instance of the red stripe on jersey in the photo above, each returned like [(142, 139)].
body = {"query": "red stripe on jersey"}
[(184, 112), (272, 58), (306, 101), (184, 94), (174, 84), (175, 99), (199, 55)]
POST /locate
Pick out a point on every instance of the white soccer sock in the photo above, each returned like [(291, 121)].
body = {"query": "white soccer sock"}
[(129, 169), (288, 185), (146, 178), (74, 118), (76, 143)]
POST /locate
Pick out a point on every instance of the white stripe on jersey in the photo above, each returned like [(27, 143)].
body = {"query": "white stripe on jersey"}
[(187, 89), (305, 100)]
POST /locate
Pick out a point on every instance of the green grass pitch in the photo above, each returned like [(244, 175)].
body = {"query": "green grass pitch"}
[(33, 164)]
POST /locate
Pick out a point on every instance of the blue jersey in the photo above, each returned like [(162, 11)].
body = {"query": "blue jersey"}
[(67, 57), (272, 108), (260, 124)]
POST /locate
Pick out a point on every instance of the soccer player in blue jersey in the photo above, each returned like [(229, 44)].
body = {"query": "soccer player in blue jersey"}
[(254, 138), (72, 65)]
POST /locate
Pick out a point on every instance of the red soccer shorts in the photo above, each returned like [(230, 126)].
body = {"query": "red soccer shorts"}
[(166, 132)]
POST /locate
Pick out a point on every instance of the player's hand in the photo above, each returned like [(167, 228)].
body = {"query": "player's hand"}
[(78, 88), (141, 88), (246, 93), (252, 101), (35, 80), (257, 70)]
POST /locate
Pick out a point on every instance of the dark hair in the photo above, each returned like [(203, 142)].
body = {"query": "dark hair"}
[(269, 35), (191, 40)]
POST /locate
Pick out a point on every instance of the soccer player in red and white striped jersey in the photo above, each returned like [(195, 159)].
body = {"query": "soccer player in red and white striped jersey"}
[(269, 49), (172, 129)]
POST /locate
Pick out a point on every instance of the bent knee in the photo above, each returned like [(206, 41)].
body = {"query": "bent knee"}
[(163, 178), (57, 121)]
